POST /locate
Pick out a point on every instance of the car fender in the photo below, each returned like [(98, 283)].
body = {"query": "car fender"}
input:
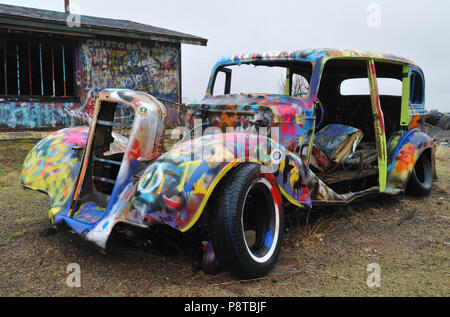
[(405, 155), (52, 166), (175, 189)]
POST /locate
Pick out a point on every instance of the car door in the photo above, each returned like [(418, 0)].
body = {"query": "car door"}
[(378, 120)]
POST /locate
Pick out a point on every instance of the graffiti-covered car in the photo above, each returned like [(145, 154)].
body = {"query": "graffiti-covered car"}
[(242, 158)]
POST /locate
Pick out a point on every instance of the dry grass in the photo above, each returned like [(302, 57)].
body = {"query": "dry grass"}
[(316, 229), (10, 179), (443, 187), (325, 253), (442, 153), (443, 168)]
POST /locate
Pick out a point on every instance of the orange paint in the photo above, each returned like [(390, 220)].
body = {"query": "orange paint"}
[(225, 118), (415, 122), (406, 158)]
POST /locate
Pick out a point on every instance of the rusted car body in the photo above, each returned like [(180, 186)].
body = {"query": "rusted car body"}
[(330, 149)]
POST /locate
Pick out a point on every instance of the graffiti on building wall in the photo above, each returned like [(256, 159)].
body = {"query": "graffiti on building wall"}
[(111, 64), (152, 68), (32, 114)]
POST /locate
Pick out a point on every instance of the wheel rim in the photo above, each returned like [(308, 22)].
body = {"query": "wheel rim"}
[(260, 221)]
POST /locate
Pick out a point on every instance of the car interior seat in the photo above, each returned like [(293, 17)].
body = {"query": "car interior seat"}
[(333, 145)]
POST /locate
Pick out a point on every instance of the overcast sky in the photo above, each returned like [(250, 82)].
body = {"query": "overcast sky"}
[(415, 29)]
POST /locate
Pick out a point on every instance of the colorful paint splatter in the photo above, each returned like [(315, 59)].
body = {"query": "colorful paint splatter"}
[(150, 185)]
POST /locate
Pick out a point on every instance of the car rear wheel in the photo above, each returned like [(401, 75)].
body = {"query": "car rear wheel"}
[(421, 179), (247, 222)]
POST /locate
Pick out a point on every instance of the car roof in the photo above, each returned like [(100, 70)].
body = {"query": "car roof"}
[(309, 55)]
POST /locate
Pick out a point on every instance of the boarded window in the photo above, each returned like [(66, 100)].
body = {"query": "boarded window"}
[(31, 67)]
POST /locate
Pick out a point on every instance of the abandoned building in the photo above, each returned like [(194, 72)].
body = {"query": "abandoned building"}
[(51, 71)]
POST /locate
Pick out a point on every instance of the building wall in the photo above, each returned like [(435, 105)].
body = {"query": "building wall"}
[(35, 114), (151, 67)]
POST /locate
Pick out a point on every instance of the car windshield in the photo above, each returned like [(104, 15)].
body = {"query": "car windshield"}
[(292, 79)]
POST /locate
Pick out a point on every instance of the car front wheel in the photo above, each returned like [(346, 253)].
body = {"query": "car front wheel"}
[(247, 222)]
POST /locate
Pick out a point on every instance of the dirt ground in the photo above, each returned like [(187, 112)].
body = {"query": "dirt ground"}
[(325, 253)]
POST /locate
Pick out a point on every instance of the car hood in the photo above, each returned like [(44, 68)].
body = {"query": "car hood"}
[(238, 108)]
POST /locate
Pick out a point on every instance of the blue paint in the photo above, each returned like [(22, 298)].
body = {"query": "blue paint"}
[(36, 114), (268, 238), (41, 167), (199, 171)]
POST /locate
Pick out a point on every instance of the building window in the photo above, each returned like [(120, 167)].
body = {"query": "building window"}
[(33, 68)]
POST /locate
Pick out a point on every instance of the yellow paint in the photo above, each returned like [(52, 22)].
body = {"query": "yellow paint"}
[(186, 166), (213, 185), (282, 166), (50, 172), (200, 187), (160, 188), (210, 190), (52, 212), (295, 175)]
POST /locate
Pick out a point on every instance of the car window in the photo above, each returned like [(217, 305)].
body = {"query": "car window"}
[(264, 79), (219, 84), (360, 86), (255, 79), (416, 90), (300, 85)]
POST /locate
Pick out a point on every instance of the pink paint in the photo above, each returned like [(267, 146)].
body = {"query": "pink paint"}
[(372, 67)]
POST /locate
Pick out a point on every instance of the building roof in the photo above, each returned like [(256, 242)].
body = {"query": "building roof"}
[(54, 21), (308, 55)]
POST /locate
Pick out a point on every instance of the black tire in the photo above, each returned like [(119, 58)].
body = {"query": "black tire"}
[(245, 204), (444, 122), (421, 179), (433, 117)]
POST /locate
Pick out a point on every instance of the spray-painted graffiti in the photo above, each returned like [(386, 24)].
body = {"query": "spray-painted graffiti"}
[(52, 166), (110, 64), (175, 189), (293, 117), (149, 67), (153, 186), (18, 114), (408, 148)]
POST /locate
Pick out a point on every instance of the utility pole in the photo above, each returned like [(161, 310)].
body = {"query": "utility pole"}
[(66, 6)]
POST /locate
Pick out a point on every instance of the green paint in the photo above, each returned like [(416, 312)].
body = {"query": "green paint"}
[(404, 115), (287, 88), (380, 134)]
